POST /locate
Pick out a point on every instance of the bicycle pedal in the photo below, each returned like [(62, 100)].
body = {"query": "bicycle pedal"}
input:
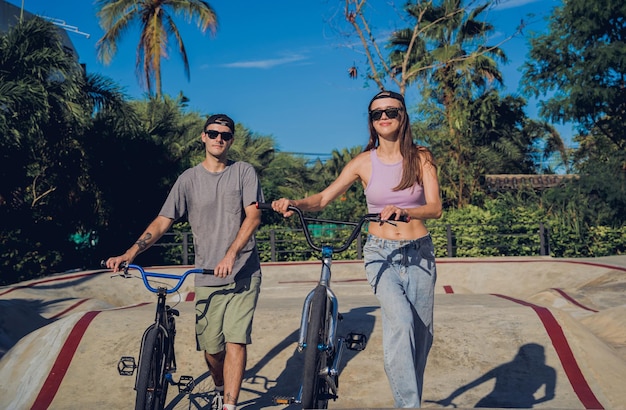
[(356, 341), (126, 366), (329, 396), (283, 400), (174, 312), (186, 384)]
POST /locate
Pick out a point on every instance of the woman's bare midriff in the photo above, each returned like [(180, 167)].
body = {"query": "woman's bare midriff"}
[(402, 231)]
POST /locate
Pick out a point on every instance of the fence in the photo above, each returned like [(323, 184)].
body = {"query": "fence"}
[(451, 240)]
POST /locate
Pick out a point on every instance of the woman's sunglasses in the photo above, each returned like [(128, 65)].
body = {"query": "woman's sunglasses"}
[(391, 113), (212, 134)]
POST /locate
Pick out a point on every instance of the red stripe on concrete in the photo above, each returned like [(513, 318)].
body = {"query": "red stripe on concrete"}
[(130, 306), (54, 279), (572, 300), (448, 289), (74, 306), (480, 260), (62, 363), (563, 350), (190, 297)]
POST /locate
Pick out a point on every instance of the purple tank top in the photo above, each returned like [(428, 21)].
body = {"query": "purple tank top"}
[(379, 191)]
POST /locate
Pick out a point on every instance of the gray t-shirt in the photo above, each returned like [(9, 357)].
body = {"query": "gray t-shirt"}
[(214, 204)]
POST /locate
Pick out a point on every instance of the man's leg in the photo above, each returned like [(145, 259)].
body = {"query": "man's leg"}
[(227, 369), (234, 368), (215, 362)]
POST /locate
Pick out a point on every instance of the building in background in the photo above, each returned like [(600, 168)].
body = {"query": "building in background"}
[(10, 16)]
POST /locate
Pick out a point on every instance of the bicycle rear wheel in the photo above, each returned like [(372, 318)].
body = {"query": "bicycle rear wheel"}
[(314, 387), (151, 385)]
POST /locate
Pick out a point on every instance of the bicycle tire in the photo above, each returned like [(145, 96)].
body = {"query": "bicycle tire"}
[(151, 385), (314, 387)]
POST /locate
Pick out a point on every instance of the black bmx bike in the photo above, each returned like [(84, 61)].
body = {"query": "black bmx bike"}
[(318, 340), (157, 359)]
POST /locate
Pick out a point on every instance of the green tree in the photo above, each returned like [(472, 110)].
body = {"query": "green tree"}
[(350, 205), (138, 166), (285, 176), (255, 149), (579, 64), (327, 171), (444, 52), (463, 69), (158, 29), (48, 105), (581, 72), (438, 38)]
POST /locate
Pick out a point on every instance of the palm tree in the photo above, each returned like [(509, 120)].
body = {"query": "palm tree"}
[(156, 19), (41, 111), (455, 66), (258, 150), (48, 107)]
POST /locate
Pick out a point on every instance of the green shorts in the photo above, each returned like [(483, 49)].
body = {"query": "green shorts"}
[(224, 314)]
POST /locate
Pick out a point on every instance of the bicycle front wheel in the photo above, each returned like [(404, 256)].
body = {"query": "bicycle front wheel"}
[(314, 387), (151, 385)]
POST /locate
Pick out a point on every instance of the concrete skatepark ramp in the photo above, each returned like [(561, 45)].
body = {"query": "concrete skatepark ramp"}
[(509, 333)]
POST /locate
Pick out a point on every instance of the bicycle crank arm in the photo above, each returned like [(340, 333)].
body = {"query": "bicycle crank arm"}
[(333, 370)]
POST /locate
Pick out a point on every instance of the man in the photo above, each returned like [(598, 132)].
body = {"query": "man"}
[(218, 197)]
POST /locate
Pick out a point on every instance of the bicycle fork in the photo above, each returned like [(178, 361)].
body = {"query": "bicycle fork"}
[(333, 346), (127, 365)]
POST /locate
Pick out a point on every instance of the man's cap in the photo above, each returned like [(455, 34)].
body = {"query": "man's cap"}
[(221, 119)]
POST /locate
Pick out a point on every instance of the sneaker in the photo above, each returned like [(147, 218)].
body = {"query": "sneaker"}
[(218, 400)]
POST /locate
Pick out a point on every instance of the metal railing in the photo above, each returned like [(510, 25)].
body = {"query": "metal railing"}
[(451, 240)]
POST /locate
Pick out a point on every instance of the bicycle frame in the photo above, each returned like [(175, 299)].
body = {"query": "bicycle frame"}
[(330, 346), (157, 358)]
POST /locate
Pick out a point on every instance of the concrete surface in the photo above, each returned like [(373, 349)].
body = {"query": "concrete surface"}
[(505, 328)]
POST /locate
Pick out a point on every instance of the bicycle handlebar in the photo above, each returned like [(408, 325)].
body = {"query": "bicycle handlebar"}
[(355, 231), (146, 274)]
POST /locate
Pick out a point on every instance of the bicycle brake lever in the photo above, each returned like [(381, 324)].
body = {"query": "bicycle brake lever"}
[(383, 221), (123, 274), (392, 221)]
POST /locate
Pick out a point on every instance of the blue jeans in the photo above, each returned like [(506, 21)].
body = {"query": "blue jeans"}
[(402, 275)]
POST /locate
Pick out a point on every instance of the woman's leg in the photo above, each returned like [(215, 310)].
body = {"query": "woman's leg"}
[(404, 285)]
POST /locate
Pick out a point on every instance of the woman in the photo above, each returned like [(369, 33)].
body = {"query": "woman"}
[(400, 180)]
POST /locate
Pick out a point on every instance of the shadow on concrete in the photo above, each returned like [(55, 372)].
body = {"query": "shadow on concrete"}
[(516, 382)]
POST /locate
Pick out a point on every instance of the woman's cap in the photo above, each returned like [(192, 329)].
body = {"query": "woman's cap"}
[(389, 94)]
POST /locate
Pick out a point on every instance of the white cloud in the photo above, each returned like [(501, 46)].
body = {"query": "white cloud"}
[(268, 63), (511, 4)]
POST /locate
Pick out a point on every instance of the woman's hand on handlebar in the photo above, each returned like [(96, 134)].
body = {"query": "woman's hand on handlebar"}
[(281, 206), (394, 213)]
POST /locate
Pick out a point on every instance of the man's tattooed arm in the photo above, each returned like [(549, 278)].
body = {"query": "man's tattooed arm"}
[(142, 243)]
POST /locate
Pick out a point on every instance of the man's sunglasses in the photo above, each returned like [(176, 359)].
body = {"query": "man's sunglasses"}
[(391, 113), (212, 134)]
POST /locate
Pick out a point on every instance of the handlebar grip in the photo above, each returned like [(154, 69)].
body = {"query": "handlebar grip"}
[(264, 205), (103, 264), (403, 218)]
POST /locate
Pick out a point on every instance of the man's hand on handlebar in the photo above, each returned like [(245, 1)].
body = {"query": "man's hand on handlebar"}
[(115, 263)]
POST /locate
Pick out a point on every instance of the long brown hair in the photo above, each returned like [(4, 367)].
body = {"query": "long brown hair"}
[(411, 152)]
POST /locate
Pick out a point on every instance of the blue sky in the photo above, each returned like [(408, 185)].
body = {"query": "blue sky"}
[(280, 67)]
